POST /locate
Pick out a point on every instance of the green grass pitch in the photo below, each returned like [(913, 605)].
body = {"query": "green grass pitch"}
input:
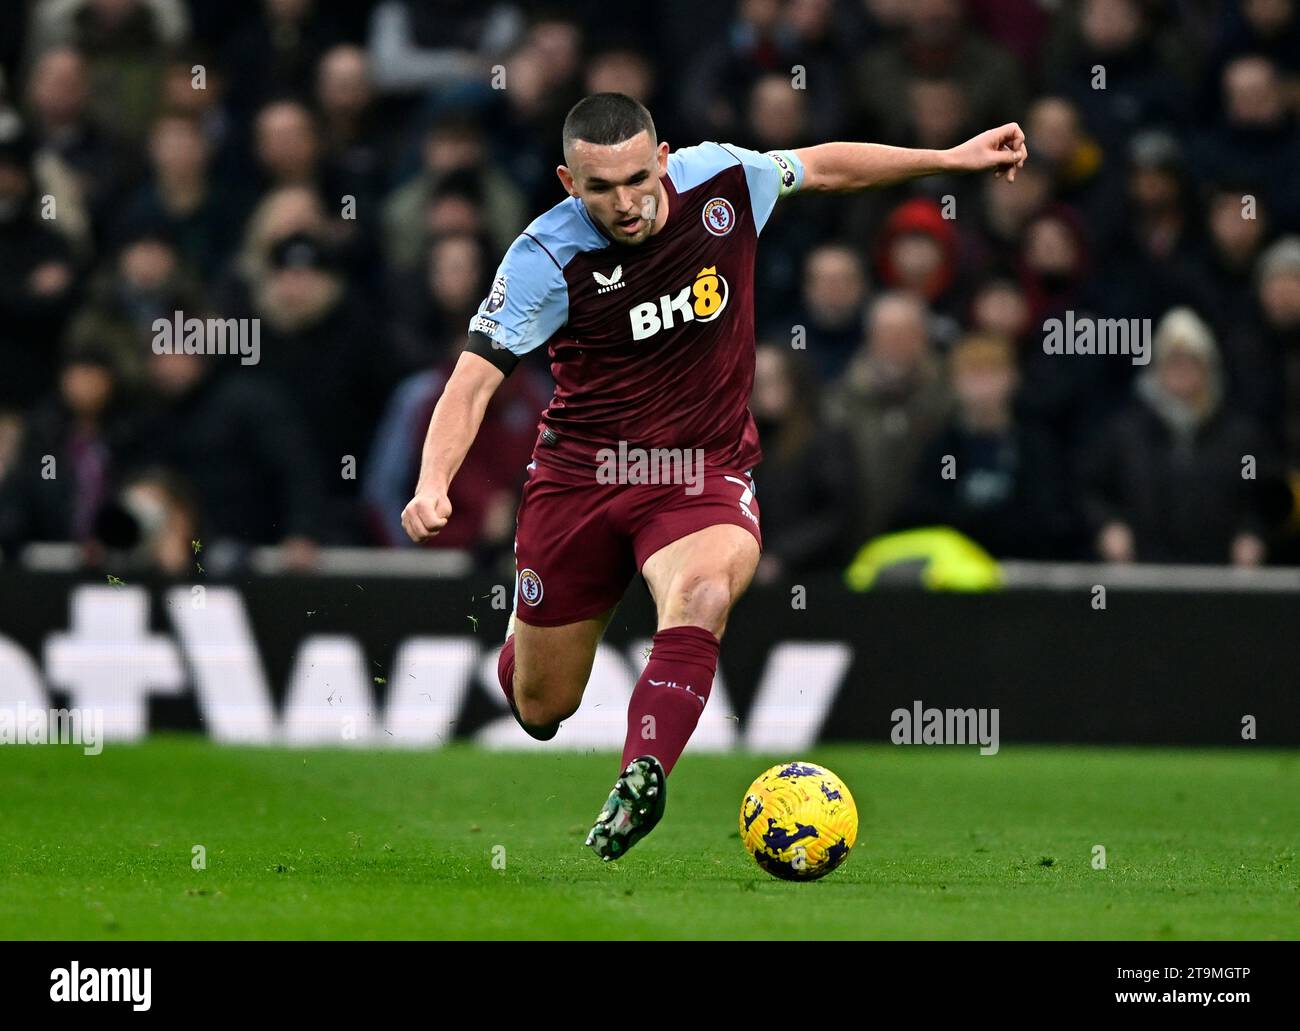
[(400, 844)]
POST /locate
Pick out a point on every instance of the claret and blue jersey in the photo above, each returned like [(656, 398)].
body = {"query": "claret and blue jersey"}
[(652, 344)]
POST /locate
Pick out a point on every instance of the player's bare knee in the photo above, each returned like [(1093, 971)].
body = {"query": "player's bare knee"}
[(701, 599), (540, 706)]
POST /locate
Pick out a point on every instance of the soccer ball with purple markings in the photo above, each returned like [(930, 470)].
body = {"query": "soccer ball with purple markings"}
[(798, 821)]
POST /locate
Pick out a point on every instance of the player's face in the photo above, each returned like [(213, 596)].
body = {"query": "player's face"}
[(619, 184)]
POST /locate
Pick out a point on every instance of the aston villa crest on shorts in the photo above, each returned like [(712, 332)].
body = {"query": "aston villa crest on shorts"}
[(530, 586)]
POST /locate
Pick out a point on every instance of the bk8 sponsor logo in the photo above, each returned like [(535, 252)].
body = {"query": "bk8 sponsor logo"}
[(701, 301)]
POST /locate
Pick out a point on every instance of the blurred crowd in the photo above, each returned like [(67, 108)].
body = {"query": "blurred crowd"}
[(350, 175)]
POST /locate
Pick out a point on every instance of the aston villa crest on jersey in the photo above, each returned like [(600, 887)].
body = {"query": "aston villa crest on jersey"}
[(719, 216)]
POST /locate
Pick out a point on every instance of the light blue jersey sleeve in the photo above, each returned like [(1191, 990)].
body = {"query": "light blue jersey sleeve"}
[(528, 302), (769, 176)]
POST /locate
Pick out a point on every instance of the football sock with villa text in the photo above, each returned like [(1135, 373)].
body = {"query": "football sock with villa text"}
[(670, 694)]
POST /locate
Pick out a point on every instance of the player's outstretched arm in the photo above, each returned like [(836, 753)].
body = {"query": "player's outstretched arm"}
[(452, 429), (844, 167)]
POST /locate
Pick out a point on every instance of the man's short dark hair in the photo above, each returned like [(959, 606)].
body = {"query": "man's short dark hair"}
[(606, 119)]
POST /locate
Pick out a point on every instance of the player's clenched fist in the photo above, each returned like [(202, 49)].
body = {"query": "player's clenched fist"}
[(1002, 149), (425, 514)]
